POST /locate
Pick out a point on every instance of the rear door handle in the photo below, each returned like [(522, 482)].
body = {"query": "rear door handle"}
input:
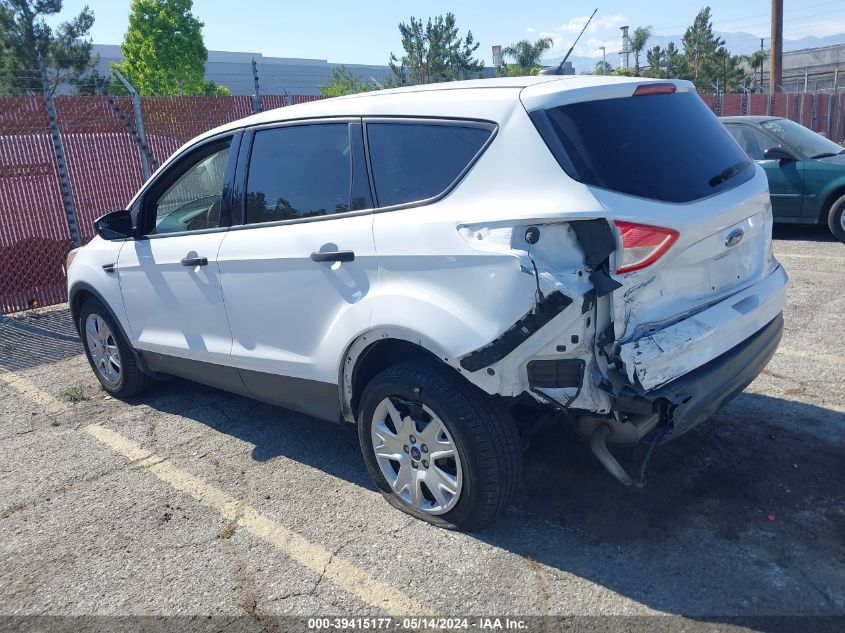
[(334, 256), (195, 261)]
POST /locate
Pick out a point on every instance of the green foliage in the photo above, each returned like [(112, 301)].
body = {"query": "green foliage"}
[(756, 60), (25, 35), (706, 58), (655, 57), (638, 41), (526, 55), (343, 82), (163, 50), (674, 62), (624, 72), (603, 68), (434, 52)]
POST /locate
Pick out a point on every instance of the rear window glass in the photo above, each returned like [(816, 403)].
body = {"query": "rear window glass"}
[(666, 147), (416, 161)]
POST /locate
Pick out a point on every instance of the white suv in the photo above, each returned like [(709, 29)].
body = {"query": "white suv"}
[(445, 266)]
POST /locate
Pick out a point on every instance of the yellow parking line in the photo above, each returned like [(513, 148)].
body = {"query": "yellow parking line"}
[(315, 557), (308, 554), (31, 391)]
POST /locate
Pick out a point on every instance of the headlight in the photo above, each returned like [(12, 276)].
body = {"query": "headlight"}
[(70, 258)]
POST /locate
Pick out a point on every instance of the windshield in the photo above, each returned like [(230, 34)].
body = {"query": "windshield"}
[(667, 147), (805, 142)]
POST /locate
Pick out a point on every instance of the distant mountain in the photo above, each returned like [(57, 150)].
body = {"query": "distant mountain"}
[(737, 43)]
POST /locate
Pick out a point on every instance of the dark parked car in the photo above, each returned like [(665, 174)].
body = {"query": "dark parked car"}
[(806, 171)]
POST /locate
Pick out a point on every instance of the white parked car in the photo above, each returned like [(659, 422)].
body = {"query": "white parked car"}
[(445, 265)]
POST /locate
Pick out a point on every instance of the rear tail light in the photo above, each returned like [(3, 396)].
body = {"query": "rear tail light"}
[(642, 245)]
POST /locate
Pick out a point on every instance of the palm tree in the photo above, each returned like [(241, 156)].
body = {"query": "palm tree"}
[(638, 41), (755, 60), (527, 54)]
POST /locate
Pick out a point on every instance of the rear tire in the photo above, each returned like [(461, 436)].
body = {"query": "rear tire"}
[(109, 353), (836, 218), (437, 406)]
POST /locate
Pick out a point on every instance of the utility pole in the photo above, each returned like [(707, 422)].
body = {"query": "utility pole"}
[(59, 153), (256, 96), (603, 61), (140, 136), (776, 56)]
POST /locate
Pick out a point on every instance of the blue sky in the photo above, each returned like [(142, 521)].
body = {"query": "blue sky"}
[(366, 32)]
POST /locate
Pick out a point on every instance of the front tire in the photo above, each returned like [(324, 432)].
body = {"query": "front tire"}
[(836, 218), (436, 447), (109, 353)]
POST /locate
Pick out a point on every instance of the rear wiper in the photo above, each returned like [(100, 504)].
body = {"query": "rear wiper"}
[(727, 174)]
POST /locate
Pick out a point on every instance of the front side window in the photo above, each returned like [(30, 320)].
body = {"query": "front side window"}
[(194, 201), (416, 161), (754, 142), (299, 172)]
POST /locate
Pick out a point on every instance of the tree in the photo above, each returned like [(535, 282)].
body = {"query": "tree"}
[(25, 36), (756, 60), (656, 58), (527, 55), (638, 41), (163, 50), (343, 82), (706, 58), (603, 68), (674, 62), (434, 52)]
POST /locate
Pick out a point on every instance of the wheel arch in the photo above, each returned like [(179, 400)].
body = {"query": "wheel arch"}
[(375, 350), (80, 292), (836, 191)]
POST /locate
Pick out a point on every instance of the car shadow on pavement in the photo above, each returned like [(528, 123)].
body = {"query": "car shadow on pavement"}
[(739, 516), (803, 232)]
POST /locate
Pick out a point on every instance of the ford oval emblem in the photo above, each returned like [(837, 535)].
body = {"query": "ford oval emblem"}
[(734, 237)]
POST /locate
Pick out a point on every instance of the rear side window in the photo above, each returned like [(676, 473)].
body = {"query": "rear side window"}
[(299, 172), (416, 161), (667, 147)]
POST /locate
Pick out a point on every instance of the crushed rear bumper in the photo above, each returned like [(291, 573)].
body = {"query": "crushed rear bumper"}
[(699, 394)]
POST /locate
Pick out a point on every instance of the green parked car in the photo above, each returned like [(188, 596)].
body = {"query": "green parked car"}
[(806, 170)]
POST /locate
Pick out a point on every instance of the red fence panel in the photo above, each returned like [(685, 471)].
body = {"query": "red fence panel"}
[(759, 104), (34, 237)]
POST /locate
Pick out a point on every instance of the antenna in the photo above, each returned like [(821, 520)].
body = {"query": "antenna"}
[(559, 69)]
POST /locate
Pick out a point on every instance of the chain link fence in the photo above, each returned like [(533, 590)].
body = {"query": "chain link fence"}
[(103, 163), (102, 151)]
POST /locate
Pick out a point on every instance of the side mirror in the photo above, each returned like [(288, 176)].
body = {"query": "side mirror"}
[(116, 225), (778, 153)]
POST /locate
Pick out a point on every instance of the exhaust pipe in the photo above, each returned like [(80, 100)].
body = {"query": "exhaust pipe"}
[(599, 448)]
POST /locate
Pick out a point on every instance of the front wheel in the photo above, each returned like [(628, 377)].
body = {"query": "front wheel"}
[(109, 353), (437, 447), (836, 218)]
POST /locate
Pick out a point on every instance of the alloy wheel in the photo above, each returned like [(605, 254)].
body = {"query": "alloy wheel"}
[(416, 455), (103, 349)]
